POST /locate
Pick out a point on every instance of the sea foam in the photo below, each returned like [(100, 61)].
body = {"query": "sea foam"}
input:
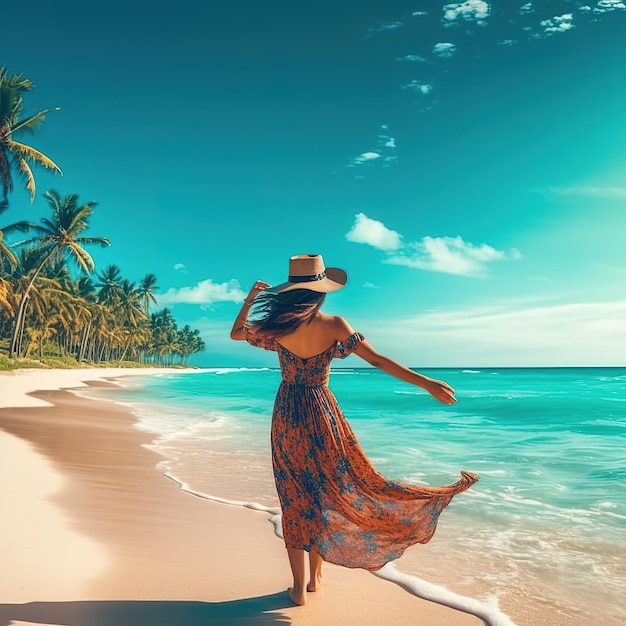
[(488, 612)]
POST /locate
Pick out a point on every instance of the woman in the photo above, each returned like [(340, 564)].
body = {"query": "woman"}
[(335, 505)]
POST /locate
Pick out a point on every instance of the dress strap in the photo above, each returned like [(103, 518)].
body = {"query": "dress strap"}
[(347, 346)]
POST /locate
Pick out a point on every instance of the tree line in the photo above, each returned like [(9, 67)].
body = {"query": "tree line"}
[(50, 303)]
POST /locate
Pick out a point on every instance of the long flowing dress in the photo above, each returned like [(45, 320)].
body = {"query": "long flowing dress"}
[(332, 498)]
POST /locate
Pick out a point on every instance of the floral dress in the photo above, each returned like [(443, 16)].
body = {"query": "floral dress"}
[(333, 500)]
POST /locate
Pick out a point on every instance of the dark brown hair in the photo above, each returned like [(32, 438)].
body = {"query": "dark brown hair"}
[(280, 314)]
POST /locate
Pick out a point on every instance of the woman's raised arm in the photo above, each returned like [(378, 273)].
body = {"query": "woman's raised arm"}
[(237, 331)]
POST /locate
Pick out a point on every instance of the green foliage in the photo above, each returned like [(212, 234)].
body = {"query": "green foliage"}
[(16, 156), (7, 364), (66, 363), (54, 317), (60, 362)]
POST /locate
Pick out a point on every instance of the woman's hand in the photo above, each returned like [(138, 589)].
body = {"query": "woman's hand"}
[(237, 332), (441, 391), (257, 288)]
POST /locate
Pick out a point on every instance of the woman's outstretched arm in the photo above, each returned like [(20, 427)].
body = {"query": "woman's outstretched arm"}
[(237, 332), (436, 388)]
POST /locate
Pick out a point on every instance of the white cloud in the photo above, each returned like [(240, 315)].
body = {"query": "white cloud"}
[(180, 267), (383, 152), (510, 334), (445, 50), (470, 10), (419, 13), (381, 28), (368, 156), (416, 85), (527, 8), (390, 26), (604, 6), (373, 233), (414, 58), (205, 293), (450, 255), (558, 24)]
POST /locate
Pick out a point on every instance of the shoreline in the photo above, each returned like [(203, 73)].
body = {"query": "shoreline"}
[(165, 557)]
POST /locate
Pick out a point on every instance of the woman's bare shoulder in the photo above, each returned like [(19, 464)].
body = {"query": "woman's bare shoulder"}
[(336, 325)]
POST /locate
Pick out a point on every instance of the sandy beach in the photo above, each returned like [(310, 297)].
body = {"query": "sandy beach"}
[(94, 534)]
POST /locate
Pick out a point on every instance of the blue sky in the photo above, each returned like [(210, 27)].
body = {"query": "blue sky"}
[(465, 163)]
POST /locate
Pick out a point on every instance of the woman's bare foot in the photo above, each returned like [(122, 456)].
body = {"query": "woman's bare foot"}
[(315, 583), (297, 598), (315, 570)]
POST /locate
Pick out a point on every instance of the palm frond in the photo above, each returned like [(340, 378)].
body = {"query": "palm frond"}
[(48, 226), (8, 100), (41, 240), (101, 241), (16, 81), (26, 242), (54, 198), (22, 226), (5, 171), (76, 219), (4, 293), (7, 253), (34, 121), (25, 170), (29, 152), (82, 257)]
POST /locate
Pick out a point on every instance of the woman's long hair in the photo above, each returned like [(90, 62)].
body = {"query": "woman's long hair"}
[(279, 314)]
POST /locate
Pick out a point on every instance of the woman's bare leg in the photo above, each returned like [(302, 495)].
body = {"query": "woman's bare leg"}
[(297, 593), (315, 567)]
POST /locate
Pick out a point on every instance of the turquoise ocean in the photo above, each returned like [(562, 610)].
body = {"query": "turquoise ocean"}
[(543, 531)]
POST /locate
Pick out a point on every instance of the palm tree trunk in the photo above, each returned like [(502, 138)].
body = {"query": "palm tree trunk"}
[(83, 343), (17, 327), (125, 350), (21, 313)]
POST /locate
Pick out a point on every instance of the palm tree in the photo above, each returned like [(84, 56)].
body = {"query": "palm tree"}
[(6, 254), (190, 342), (97, 332), (19, 279), (164, 334), (146, 290), (131, 312), (5, 295), (59, 238), (67, 310), (13, 154), (110, 285), (50, 315)]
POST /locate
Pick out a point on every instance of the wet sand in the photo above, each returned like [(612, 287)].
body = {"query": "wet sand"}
[(94, 534)]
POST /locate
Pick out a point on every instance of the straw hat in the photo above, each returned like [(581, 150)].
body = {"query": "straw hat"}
[(307, 271)]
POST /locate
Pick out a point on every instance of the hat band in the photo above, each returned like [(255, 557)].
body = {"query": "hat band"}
[(306, 279)]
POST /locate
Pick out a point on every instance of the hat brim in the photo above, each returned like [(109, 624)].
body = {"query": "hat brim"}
[(334, 280)]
